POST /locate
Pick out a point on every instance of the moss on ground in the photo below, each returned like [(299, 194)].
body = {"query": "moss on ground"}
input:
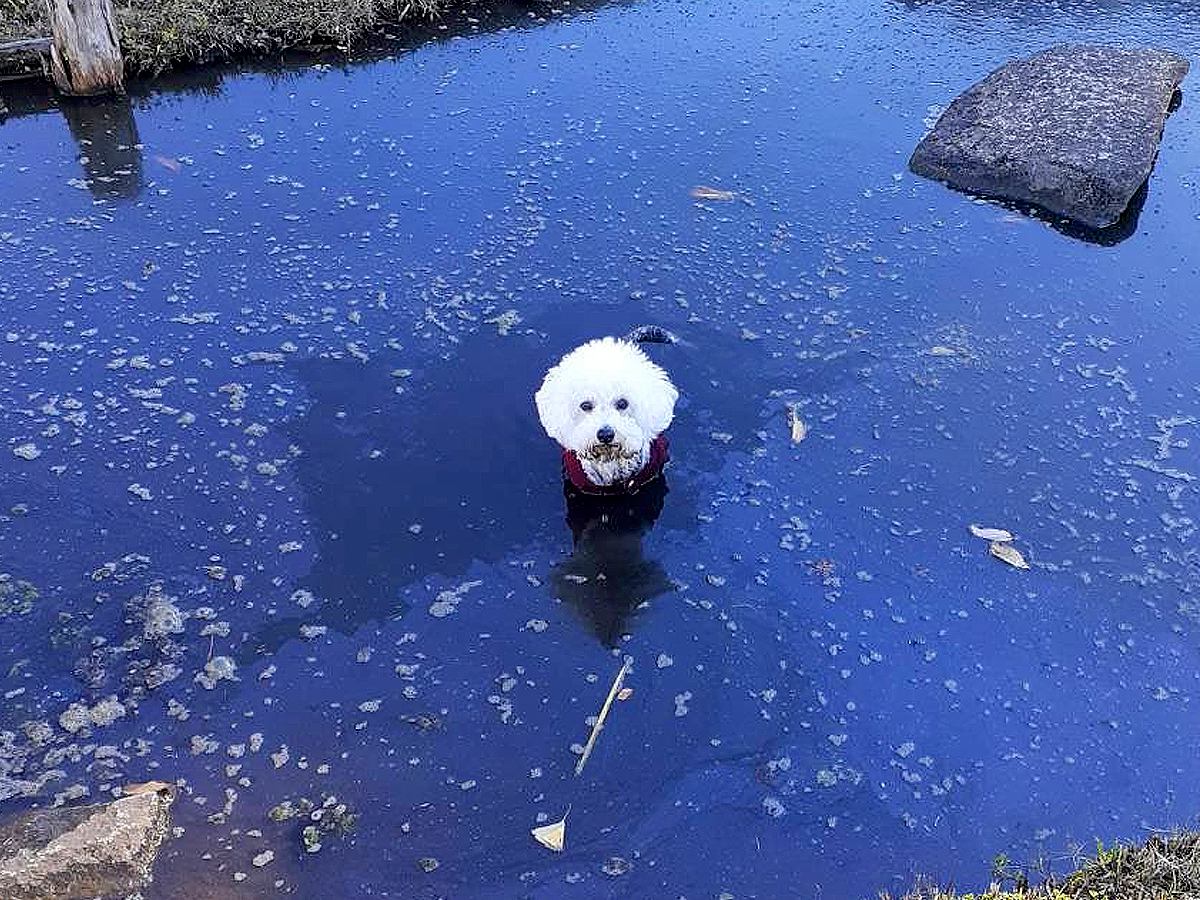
[(1166, 867), (157, 35), (995, 895), (16, 596), (21, 18)]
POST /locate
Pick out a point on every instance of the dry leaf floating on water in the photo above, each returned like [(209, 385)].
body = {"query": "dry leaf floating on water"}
[(552, 836), (703, 192), (798, 425), (991, 534), (1009, 554), (148, 787), (625, 693)]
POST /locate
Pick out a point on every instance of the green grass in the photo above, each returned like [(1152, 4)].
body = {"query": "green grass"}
[(1166, 867), (156, 36), (21, 18)]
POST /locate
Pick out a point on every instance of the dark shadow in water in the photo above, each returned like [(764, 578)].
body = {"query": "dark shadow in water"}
[(106, 133), (1124, 227), (608, 575), (457, 469), (27, 97), (402, 486)]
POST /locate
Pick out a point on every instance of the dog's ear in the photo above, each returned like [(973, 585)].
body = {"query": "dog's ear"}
[(657, 398), (552, 405)]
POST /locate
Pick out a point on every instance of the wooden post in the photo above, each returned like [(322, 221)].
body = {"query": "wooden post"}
[(86, 55), (25, 45)]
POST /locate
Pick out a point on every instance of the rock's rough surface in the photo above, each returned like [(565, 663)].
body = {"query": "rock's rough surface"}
[(1073, 129), (101, 850)]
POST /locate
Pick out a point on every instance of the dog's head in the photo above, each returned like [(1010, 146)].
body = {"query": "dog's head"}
[(607, 401)]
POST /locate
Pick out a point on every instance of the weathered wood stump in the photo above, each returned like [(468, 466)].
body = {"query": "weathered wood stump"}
[(85, 58)]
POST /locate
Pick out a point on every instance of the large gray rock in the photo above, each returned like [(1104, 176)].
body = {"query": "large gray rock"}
[(102, 850), (1073, 129)]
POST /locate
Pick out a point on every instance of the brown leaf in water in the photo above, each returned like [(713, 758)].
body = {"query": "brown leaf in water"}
[(1009, 554), (991, 534), (552, 836), (703, 192), (148, 787), (798, 425)]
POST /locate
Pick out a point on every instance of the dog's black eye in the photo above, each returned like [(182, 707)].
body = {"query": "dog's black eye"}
[(622, 404), (587, 405)]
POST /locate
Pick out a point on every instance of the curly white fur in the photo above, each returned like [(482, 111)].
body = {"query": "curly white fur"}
[(607, 384)]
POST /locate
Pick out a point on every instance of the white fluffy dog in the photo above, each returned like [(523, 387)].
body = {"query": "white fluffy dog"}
[(607, 404)]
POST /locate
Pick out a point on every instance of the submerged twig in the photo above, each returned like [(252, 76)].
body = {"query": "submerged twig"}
[(608, 701)]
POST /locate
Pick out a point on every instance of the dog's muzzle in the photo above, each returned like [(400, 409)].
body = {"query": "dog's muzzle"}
[(607, 453)]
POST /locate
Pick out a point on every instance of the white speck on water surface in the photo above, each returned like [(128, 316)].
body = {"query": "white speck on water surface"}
[(681, 701)]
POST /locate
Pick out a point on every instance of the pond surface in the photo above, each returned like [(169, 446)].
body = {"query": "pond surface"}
[(271, 463)]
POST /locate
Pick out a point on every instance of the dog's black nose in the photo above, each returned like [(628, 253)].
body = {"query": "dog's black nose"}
[(606, 434)]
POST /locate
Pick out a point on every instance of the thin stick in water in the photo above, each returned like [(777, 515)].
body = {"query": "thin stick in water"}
[(608, 701)]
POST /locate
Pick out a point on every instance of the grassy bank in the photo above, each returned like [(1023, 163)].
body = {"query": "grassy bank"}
[(156, 36), (21, 18), (1166, 867)]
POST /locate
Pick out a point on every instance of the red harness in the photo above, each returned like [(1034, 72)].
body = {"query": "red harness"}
[(659, 457)]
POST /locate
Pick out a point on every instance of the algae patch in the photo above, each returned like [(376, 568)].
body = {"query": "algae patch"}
[(16, 596)]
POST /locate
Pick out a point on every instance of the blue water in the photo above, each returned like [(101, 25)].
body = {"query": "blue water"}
[(275, 338)]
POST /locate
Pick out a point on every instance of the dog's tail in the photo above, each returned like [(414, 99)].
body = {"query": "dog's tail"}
[(651, 334)]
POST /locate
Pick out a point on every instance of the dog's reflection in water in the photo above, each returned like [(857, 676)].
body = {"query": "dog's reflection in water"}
[(608, 575)]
